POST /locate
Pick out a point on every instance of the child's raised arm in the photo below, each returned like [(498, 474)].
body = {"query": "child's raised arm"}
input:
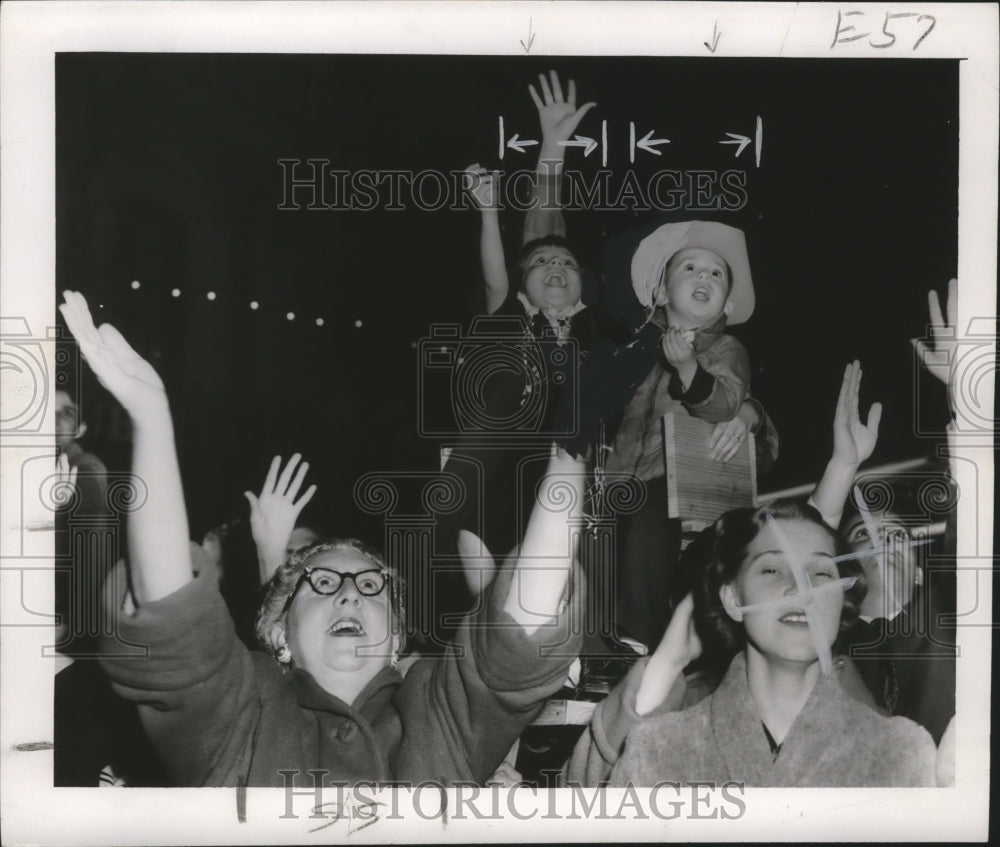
[(159, 555), (853, 443), (483, 186), (558, 118)]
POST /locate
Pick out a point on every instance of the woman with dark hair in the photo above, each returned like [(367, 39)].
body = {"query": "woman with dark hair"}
[(773, 588), (327, 699)]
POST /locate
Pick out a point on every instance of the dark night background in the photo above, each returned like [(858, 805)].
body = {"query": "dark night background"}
[(167, 173)]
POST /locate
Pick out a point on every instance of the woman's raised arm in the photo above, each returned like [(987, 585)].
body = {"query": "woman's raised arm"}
[(546, 554), (158, 552)]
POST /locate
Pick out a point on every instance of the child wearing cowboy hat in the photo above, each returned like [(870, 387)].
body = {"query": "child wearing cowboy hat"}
[(693, 279)]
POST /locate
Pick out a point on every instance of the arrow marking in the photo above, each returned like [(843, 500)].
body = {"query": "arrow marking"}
[(589, 144), (647, 142), (531, 39), (514, 143), (742, 140), (716, 35)]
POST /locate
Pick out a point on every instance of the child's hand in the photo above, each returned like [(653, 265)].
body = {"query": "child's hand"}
[(677, 348), (728, 436), (853, 441), (558, 117), (131, 379), (274, 511), (483, 185)]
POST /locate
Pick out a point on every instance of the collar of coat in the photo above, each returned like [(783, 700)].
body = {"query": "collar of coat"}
[(369, 702), (553, 315), (700, 338), (812, 742)]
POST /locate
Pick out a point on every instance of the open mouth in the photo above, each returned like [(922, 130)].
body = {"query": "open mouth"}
[(702, 295), (794, 619), (555, 280), (347, 627)]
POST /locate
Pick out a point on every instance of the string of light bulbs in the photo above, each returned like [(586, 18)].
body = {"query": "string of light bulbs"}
[(253, 305)]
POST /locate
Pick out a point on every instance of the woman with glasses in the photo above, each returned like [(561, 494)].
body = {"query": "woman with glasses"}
[(324, 703)]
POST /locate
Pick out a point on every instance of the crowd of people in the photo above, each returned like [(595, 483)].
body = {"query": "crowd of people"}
[(788, 644)]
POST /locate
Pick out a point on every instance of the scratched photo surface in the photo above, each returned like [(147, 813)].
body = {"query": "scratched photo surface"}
[(286, 238)]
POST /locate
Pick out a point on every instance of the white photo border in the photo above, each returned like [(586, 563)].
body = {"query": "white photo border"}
[(31, 34)]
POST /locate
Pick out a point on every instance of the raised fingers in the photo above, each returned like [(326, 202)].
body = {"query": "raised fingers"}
[(286, 474), (556, 87), (546, 91), (534, 96), (934, 306), (293, 489), (952, 305), (305, 498), (874, 418), (75, 311), (272, 476)]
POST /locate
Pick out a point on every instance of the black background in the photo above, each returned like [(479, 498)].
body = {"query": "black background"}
[(167, 173)]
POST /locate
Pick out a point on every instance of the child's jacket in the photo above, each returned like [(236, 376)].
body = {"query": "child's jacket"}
[(636, 378)]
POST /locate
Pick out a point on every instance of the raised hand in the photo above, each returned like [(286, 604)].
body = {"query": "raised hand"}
[(679, 647), (159, 556), (131, 379), (274, 511), (483, 185), (558, 116), (65, 475), (680, 644), (939, 360), (853, 441)]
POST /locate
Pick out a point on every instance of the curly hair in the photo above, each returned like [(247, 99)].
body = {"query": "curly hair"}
[(282, 583), (714, 558)]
